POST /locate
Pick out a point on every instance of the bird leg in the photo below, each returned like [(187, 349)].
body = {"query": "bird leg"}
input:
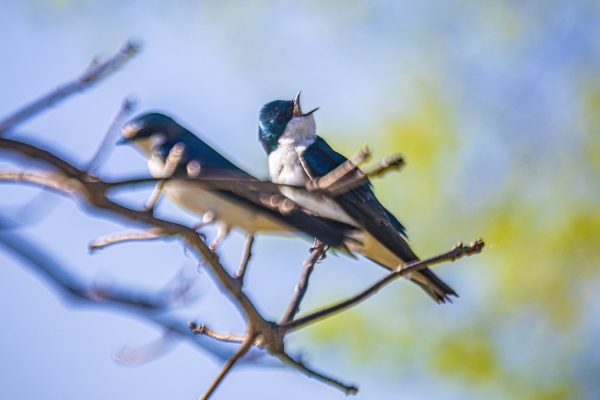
[(222, 232), (246, 255)]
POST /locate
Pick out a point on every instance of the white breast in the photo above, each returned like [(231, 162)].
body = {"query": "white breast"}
[(199, 201), (285, 168)]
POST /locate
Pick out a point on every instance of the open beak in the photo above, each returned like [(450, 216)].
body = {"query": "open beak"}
[(298, 109)]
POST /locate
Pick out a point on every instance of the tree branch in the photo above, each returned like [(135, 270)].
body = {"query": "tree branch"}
[(228, 365), (311, 373), (123, 237), (342, 170), (453, 254), (95, 73), (246, 255), (222, 337), (317, 253)]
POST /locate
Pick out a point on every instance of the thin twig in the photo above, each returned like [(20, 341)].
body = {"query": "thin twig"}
[(324, 182), (123, 237), (228, 365), (246, 255), (318, 251), (93, 74), (311, 373), (222, 337), (97, 159), (136, 236), (171, 163), (359, 178), (456, 252)]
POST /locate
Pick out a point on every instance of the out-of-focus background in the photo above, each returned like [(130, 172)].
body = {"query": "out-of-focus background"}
[(496, 108)]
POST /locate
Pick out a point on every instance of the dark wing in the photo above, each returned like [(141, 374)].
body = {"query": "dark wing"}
[(214, 165), (360, 203)]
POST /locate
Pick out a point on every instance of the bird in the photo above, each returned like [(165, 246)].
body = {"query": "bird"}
[(156, 135), (297, 155)]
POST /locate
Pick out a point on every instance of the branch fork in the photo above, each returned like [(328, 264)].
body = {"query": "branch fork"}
[(260, 332)]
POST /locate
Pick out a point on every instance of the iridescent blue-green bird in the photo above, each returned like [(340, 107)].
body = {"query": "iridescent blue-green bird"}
[(156, 134), (297, 154)]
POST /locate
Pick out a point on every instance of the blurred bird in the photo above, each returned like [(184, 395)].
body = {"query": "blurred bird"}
[(296, 155), (157, 134)]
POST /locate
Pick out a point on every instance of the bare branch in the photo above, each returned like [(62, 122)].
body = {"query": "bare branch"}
[(222, 337), (311, 373), (95, 73), (458, 251), (94, 191), (341, 171), (395, 161), (246, 255), (318, 251), (228, 365), (261, 332), (137, 236), (126, 108)]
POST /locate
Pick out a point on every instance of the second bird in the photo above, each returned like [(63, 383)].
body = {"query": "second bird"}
[(296, 155)]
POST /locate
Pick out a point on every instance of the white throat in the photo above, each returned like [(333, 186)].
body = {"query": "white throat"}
[(300, 131), (148, 144)]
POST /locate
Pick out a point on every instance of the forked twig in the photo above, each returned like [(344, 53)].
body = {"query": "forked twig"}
[(458, 251)]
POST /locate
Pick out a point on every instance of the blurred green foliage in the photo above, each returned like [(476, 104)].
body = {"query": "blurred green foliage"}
[(540, 268)]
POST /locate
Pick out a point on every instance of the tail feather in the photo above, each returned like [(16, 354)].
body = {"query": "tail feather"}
[(434, 286)]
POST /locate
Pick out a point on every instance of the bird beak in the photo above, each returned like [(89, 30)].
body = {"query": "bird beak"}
[(122, 141), (298, 109)]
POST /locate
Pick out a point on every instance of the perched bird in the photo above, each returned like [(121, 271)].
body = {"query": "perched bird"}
[(297, 154), (156, 135)]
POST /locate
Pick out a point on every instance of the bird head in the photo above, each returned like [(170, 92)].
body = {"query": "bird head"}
[(149, 131), (284, 117)]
